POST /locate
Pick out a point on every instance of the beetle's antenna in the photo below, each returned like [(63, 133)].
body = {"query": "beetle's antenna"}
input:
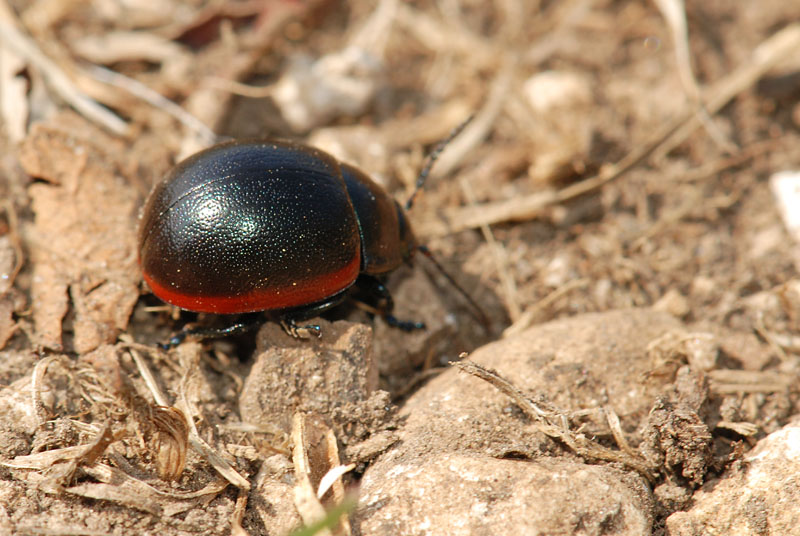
[(431, 159), (423, 175), (480, 315)]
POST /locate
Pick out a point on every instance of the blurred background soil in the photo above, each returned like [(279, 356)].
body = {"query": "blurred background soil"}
[(623, 156)]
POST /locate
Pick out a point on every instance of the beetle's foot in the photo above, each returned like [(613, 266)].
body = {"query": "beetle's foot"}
[(175, 340), (405, 325), (300, 332)]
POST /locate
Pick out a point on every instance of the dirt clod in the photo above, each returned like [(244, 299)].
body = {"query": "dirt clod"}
[(317, 376), (752, 497)]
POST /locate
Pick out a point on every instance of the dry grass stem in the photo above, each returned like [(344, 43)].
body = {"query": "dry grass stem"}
[(674, 12), (238, 88), (305, 499), (238, 514), (788, 341), (616, 430), (529, 317), (207, 103), (39, 407), (19, 255), (669, 136), (761, 329), (26, 47), (331, 478), (155, 99), (14, 108), (768, 54), (746, 429), (119, 487), (196, 442), (729, 381), (500, 257), (480, 127)]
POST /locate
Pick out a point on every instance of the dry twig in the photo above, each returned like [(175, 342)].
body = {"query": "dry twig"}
[(555, 423)]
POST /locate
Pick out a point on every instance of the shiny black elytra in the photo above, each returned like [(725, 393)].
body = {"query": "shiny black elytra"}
[(270, 226)]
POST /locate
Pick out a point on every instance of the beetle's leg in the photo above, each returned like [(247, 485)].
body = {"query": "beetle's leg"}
[(289, 318), (291, 328), (202, 333), (405, 325), (384, 303)]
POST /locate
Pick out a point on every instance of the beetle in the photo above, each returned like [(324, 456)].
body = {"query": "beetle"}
[(273, 226)]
